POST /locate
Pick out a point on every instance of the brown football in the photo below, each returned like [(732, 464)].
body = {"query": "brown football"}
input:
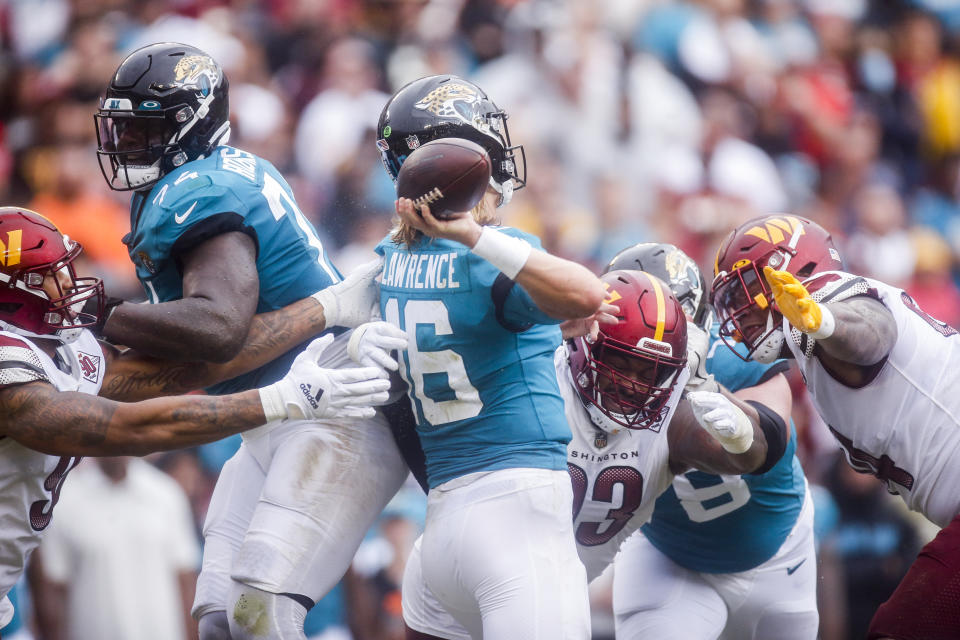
[(449, 175)]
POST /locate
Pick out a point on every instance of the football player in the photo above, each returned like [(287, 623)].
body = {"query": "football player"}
[(216, 237), (730, 553), (632, 433), (52, 370), (881, 372), (481, 305)]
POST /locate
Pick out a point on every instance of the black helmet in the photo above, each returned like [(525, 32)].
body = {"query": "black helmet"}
[(166, 105), (449, 107), (674, 267)]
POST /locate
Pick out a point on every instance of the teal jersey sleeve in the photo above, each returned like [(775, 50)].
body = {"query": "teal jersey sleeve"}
[(485, 394), (229, 190), (726, 524)]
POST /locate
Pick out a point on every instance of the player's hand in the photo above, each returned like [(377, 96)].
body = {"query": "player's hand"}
[(371, 343), (461, 228), (794, 301), (722, 419), (590, 326), (309, 391), (354, 300), (698, 345)]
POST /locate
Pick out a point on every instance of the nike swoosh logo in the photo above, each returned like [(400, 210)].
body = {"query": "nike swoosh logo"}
[(180, 218), (790, 570)]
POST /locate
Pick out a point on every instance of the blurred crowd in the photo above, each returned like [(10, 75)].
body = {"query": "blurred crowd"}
[(641, 120)]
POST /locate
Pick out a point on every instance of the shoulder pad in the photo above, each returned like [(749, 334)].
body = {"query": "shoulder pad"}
[(18, 362)]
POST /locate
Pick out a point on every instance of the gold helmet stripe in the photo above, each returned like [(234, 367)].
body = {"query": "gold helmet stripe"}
[(661, 309)]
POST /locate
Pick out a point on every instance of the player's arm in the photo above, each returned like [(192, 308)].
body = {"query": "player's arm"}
[(716, 433), (560, 288), (859, 330), (864, 334), (130, 375), (220, 293), (39, 417)]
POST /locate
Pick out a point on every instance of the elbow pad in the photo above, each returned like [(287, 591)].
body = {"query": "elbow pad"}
[(776, 433)]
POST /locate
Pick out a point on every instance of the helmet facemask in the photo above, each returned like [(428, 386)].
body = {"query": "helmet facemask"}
[(35, 302), (627, 387)]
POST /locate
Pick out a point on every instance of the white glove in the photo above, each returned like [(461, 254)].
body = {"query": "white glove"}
[(371, 343), (722, 419), (354, 300), (698, 345), (311, 392)]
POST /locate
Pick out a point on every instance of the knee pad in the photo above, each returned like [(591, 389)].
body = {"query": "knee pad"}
[(254, 614), (214, 626)]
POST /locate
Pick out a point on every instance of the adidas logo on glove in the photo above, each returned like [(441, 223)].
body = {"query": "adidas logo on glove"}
[(305, 388)]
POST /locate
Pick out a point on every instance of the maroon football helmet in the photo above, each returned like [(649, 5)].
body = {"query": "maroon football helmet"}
[(741, 296), (31, 248), (627, 376)]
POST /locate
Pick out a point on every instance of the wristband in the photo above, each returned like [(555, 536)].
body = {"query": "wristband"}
[(506, 253), (273, 405), (828, 324)]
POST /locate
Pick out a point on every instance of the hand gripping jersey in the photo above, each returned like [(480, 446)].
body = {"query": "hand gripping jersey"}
[(30, 481), (728, 524), (229, 190), (903, 424), (616, 476), (480, 360)]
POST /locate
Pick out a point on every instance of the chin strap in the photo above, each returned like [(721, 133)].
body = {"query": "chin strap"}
[(505, 189)]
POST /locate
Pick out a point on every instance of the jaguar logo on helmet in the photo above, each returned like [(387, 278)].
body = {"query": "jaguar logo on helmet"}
[(451, 100), (200, 72)]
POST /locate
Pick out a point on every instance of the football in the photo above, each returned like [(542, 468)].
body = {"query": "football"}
[(449, 175)]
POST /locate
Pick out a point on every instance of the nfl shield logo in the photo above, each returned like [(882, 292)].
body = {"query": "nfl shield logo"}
[(412, 142), (599, 439)]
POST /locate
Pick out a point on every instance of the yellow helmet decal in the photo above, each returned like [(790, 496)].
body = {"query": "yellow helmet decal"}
[(612, 294), (10, 251), (776, 230)]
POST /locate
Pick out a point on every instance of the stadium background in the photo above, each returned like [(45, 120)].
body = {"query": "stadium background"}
[(641, 119)]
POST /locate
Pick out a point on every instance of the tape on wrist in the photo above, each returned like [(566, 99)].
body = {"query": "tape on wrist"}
[(506, 253), (273, 405), (828, 324)]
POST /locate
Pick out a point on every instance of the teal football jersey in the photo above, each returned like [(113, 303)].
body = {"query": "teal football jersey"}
[(727, 524), (480, 361), (229, 190)]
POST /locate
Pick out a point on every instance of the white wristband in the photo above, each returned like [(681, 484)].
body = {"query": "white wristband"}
[(273, 405), (506, 253), (828, 324)]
